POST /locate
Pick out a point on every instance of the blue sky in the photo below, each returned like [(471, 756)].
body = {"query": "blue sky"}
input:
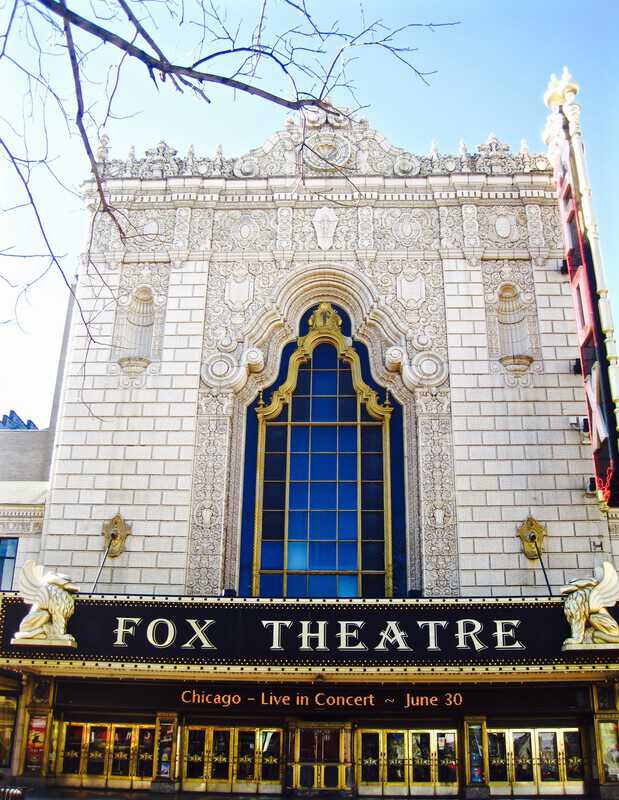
[(492, 70)]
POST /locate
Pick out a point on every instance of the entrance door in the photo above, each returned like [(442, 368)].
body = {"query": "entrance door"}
[(94, 754), (398, 762), (232, 759), (318, 758), (536, 761)]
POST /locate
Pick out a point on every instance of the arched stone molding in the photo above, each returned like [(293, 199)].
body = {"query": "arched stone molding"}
[(215, 537)]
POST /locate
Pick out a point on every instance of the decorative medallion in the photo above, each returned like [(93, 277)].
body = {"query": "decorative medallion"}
[(115, 533), (325, 223), (327, 152), (532, 533)]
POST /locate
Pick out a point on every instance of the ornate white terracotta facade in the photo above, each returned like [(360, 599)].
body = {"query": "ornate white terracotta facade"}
[(414, 249)]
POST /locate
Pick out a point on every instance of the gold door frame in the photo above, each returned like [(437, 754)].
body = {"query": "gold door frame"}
[(319, 766), (206, 782), (562, 786), (82, 778)]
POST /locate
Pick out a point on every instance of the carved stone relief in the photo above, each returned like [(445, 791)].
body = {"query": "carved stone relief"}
[(413, 288), (519, 274), (201, 230), (21, 520), (135, 276), (452, 237), (145, 230), (551, 224), (305, 232), (325, 223), (503, 227), (414, 229), (317, 143), (210, 482), (244, 230), (437, 492)]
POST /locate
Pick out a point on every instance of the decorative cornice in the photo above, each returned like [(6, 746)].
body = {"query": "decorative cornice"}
[(320, 144), (21, 519)]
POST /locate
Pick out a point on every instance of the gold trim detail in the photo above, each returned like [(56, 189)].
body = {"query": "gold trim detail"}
[(532, 533), (115, 532)]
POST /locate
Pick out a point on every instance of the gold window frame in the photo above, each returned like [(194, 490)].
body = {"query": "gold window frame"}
[(325, 326)]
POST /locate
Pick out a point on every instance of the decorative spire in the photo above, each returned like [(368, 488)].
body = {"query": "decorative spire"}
[(560, 90)]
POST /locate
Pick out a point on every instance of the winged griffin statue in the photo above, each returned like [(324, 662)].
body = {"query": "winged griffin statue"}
[(586, 602), (51, 595)]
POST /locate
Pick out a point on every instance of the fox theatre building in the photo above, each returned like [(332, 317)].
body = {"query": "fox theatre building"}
[(333, 505)]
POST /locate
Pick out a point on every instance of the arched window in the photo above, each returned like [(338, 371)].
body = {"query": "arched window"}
[(515, 351), (322, 525), (137, 334)]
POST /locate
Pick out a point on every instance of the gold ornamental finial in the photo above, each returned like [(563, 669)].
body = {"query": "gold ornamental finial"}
[(260, 399), (325, 318)]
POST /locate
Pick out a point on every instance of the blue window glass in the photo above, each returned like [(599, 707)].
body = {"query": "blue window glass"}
[(347, 411), (348, 467), (297, 586), (347, 555), (347, 436), (324, 439), (373, 555), (271, 585), (371, 467), (347, 525), (324, 357), (275, 468), (276, 438), (347, 586), (303, 382), (372, 495), (324, 467), (347, 493), (322, 555), (272, 556), (322, 586), (345, 381), (273, 524), (8, 553), (323, 524), (324, 382), (321, 482), (371, 439), (297, 524), (301, 409), (324, 409), (274, 495), (372, 525), (298, 494), (299, 439), (299, 467), (297, 555), (323, 495)]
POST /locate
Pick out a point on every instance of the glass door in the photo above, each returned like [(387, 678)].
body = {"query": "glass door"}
[(195, 754), (219, 757), (318, 761), (73, 749), (245, 770), (538, 761), (120, 762), (96, 756), (270, 756)]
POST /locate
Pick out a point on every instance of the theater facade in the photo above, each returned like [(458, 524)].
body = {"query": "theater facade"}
[(333, 498)]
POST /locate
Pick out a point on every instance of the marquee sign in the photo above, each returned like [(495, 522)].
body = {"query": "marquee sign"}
[(254, 634)]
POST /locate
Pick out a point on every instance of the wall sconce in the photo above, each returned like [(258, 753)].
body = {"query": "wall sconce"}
[(532, 534)]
